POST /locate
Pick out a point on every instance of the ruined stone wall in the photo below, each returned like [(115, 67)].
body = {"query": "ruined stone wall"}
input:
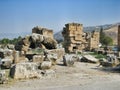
[(43, 31), (40, 38), (94, 40), (72, 33), (76, 40)]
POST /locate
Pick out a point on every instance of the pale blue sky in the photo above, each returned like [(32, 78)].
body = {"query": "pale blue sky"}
[(22, 15)]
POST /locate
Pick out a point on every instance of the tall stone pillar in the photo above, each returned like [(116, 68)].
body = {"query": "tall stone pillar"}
[(119, 37)]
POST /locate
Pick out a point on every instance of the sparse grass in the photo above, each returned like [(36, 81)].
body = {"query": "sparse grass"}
[(38, 51), (96, 55)]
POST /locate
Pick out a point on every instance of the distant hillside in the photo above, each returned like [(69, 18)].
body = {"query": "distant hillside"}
[(92, 28), (109, 29), (58, 36)]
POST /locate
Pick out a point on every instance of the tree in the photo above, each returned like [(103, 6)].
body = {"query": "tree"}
[(108, 41), (6, 41), (105, 40), (102, 35)]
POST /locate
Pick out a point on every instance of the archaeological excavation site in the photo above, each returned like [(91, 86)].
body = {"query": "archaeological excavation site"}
[(38, 61)]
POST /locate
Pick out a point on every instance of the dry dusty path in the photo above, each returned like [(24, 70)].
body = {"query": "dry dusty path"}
[(83, 76)]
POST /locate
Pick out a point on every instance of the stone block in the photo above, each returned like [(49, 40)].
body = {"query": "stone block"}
[(25, 70), (52, 58), (46, 65), (6, 63), (38, 58), (59, 52), (68, 60), (89, 58)]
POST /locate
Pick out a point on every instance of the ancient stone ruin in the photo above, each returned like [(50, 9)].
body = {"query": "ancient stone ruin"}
[(36, 55), (76, 40), (43, 31), (93, 41), (33, 56), (40, 37)]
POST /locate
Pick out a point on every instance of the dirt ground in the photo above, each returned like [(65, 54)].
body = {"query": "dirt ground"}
[(82, 76)]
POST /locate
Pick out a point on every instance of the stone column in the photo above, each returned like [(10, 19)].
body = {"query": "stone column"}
[(16, 56)]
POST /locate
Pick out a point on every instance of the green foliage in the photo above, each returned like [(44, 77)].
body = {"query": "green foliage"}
[(105, 40), (38, 51), (6, 41), (96, 55), (102, 35)]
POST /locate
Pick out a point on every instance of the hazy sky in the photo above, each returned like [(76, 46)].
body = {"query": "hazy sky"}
[(22, 15)]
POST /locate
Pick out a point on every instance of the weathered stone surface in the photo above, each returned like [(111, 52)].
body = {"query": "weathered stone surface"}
[(52, 58), (106, 64), (10, 46), (49, 43), (59, 52), (25, 71), (23, 60), (3, 78), (37, 37), (38, 58), (43, 31), (94, 40), (46, 65), (111, 61), (6, 63), (111, 58), (76, 40), (8, 52), (16, 56), (36, 40), (69, 60), (89, 58), (48, 73)]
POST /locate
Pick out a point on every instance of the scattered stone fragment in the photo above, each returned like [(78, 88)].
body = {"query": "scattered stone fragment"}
[(52, 58), (68, 60), (46, 65), (59, 52), (3, 78), (106, 64), (6, 63), (89, 58), (25, 71)]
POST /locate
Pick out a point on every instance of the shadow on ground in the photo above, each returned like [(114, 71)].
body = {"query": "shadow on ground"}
[(108, 69)]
